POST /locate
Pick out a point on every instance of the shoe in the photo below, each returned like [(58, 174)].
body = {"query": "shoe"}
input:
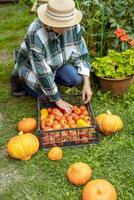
[(19, 94), (17, 86)]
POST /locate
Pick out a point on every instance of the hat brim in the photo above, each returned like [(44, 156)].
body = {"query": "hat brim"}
[(45, 19)]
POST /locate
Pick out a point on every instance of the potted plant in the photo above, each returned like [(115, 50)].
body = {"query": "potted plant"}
[(115, 71)]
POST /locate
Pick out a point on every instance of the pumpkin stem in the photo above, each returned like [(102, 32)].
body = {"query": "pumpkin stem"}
[(26, 158), (108, 112), (20, 133)]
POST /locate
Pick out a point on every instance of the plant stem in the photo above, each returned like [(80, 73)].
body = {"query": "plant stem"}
[(102, 27)]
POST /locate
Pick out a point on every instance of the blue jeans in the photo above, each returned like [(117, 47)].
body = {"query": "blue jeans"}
[(67, 75)]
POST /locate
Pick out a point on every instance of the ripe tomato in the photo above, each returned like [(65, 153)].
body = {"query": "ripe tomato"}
[(57, 126), (77, 111), (83, 133), (63, 121), (49, 122), (57, 117), (65, 115), (57, 137), (89, 122), (81, 116), (72, 136), (71, 122), (47, 128), (74, 108), (51, 116), (87, 118), (69, 118), (55, 122), (73, 126), (82, 107), (49, 110), (56, 111), (65, 126), (49, 140), (84, 140), (64, 136), (75, 116), (84, 112)]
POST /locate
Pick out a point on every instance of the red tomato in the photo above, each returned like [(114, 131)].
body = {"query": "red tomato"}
[(64, 136), (81, 116), (69, 118), (71, 122), (51, 116), (49, 140), (72, 136), (49, 122), (47, 128), (75, 116), (84, 140), (82, 107), (83, 133), (65, 115), (56, 111), (62, 121), (65, 126), (77, 111), (73, 126), (49, 110), (57, 126), (57, 117), (74, 108), (84, 112), (55, 122)]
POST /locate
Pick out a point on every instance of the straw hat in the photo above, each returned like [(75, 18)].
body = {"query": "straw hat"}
[(59, 13)]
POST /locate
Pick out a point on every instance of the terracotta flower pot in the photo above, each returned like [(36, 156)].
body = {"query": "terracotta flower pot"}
[(117, 86)]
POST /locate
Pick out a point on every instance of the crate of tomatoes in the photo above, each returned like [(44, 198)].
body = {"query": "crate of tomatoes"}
[(57, 128)]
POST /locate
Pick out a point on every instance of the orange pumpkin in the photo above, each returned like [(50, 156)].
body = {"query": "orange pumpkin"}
[(99, 189), (109, 123), (55, 153), (79, 173), (27, 125), (23, 146)]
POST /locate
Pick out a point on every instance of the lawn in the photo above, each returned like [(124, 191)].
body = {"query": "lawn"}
[(39, 178)]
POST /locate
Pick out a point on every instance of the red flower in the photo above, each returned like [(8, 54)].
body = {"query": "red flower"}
[(119, 32), (125, 37), (132, 43)]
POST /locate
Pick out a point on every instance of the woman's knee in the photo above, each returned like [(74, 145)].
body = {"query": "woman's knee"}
[(77, 79), (68, 75)]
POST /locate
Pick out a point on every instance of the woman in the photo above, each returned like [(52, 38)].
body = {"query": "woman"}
[(52, 42)]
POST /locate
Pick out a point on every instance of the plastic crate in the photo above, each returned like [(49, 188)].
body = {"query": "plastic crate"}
[(70, 136)]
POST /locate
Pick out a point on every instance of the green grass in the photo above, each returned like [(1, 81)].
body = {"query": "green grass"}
[(39, 178)]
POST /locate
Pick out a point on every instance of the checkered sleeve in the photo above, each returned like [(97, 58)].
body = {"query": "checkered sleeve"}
[(41, 69), (80, 54)]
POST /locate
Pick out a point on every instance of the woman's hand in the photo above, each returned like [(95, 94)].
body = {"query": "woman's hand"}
[(64, 105), (86, 92)]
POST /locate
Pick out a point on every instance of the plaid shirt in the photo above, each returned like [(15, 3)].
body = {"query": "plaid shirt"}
[(43, 52)]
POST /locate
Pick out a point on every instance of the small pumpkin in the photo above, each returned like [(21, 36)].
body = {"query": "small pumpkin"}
[(99, 189), (23, 146), (27, 125), (79, 173), (109, 123), (55, 153)]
